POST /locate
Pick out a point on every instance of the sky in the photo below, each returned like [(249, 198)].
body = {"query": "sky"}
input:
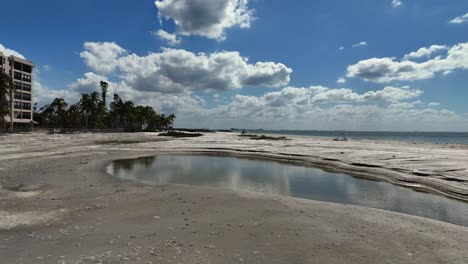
[(385, 65)]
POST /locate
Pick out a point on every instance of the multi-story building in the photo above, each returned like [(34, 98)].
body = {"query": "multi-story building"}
[(20, 71)]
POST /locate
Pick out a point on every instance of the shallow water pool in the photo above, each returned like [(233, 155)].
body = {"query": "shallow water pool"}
[(290, 180)]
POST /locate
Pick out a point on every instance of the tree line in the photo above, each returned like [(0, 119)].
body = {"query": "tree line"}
[(5, 84), (91, 112)]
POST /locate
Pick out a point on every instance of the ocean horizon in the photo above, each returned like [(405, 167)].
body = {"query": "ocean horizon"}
[(414, 136)]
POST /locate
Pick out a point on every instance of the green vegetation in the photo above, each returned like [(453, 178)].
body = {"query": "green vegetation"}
[(91, 113), (259, 137), (176, 134)]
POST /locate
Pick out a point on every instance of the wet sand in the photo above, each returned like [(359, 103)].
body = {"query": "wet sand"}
[(58, 204)]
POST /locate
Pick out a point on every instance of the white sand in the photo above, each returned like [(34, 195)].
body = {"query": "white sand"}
[(58, 204), (440, 168)]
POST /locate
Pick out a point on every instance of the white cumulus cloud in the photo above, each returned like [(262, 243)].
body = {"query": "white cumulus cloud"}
[(383, 70), (42, 95), (460, 19), (360, 44), (425, 52), (178, 70), (396, 3), (322, 95), (10, 52), (101, 56), (171, 39), (404, 105), (207, 18), (341, 80), (319, 107)]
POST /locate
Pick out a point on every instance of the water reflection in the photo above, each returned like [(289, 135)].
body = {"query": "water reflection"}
[(289, 180)]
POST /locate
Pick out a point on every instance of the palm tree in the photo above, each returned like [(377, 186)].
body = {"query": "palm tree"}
[(85, 107), (86, 113), (170, 120), (55, 112), (5, 85), (128, 112), (167, 121), (140, 118), (89, 106), (104, 86), (72, 117), (116, 112), (150, 118)]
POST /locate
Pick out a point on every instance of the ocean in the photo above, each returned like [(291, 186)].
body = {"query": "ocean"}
[(429, 137)]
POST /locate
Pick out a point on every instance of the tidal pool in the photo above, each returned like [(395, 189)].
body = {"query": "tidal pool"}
[(290, 180)]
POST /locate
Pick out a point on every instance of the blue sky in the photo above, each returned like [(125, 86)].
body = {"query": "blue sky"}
[(270, 64)]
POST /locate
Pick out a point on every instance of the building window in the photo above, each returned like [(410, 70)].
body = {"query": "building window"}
[(26, 77), (18, 95), (17, 105), (17, 66), (26, 97), (26, 115), (26, 106), (17, 115), (26, 87), (17, 76), (27, 68)]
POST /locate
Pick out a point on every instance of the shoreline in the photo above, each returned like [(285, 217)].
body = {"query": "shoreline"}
[(61, 206), (367, 135)]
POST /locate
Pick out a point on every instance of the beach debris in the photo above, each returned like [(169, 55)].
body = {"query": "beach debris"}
[(340, 139), (263, 137), (96, 206), (176, 134), (210, 246)]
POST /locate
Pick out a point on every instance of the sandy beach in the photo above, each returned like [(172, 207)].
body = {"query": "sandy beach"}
[(58, 204)]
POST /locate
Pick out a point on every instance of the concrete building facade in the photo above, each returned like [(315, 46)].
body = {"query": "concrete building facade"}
[(20, 71)]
